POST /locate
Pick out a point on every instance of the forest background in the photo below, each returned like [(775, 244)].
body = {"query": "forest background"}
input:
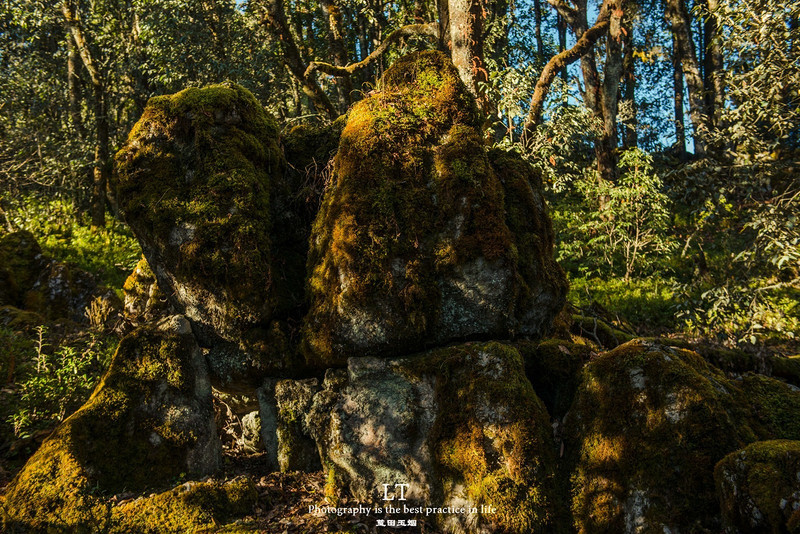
[(667, 134)]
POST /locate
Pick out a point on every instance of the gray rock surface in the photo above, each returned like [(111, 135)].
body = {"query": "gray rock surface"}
[(461, 426)]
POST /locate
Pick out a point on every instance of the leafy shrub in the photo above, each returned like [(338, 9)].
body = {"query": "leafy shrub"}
[(619, 227)]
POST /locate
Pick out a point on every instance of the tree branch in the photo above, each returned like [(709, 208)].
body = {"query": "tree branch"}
[(560, 61), (412, 30), (80, 40), (568, 13), (275, 18)]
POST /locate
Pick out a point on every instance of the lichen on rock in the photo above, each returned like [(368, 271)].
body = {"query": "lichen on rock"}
[(461, 425), (149, 420), (415, 241)]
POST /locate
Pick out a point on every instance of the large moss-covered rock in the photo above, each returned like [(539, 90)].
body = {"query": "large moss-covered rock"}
[(647, 427), (198, 180), (461, 425), (422, 236), (759, 488), (149, 420), (55, 290)]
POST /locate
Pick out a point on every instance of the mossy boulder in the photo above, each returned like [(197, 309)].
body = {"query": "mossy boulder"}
[(190, 508), (65, 291), (759, 488), (461, 425), (423, 237), (197, 182), (144, 300), (21, 262), (647, 427), (148, 421)]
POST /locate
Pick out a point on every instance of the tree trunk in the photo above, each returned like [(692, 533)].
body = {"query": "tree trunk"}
[(630, 139), (677, 84), (74, 87), (537, 18), (559, 62), (276, 19), (561, 25), (680, 25), (612, 73), (466, 43), (102, 166), (713, 70), (339, 50), (101, 160)]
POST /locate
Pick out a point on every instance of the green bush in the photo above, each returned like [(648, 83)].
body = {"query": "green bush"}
[(616, 228)]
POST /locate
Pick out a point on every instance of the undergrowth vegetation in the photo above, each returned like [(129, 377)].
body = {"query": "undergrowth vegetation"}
[(63, 232), (707, 249)]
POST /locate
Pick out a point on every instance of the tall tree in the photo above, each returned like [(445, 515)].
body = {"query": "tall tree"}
[(680, 25), (102, 167)]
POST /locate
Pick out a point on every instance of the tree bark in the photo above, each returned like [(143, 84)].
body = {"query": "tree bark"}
[(559, 62), (612, 74), (537, 18), (630, 139), (412, 30), (74, 86), (680, 25), (677, 85), (561, 26), (466, 44), (101, 160), (713, 69), (338, 50)]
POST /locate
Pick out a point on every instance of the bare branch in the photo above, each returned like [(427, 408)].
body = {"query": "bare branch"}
[(560, 61), (430, 30)]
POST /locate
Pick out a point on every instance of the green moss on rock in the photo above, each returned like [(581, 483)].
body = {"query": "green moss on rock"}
[(412, 244), (648, 425), (189, 508), (195, 183), (596, 329), (462, 425), (149, 420), (492, 437), (143, 298), (531, 229), (775, 406), (759, 488), (296, 450)]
